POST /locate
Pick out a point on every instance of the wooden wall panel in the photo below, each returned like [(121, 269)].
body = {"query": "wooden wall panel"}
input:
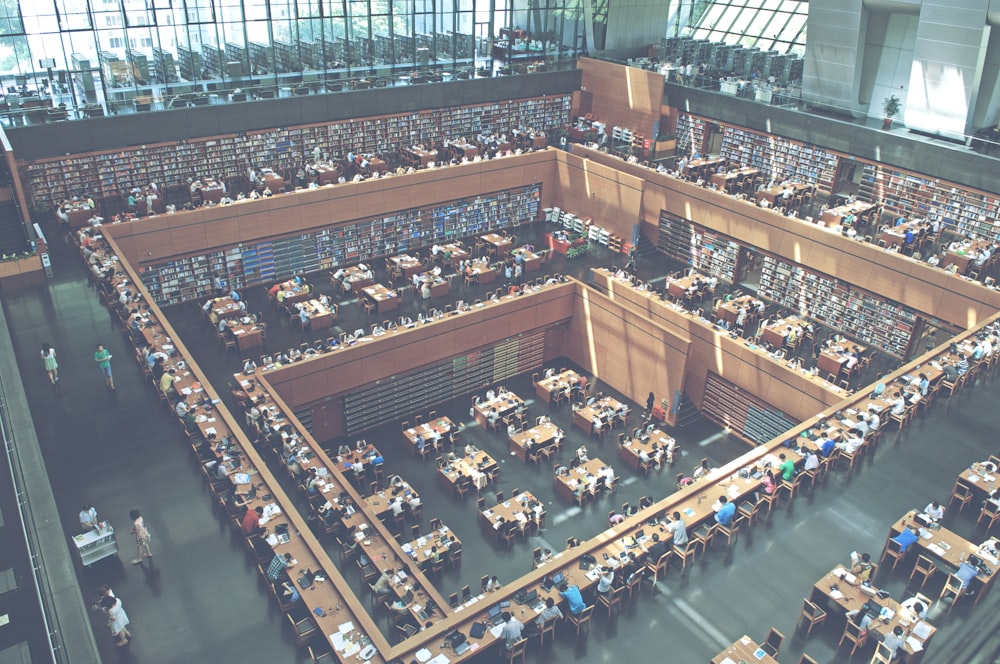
[(623, 96), (591, 189)]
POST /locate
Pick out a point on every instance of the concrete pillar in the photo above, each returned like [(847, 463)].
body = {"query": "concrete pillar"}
[(834, 52)]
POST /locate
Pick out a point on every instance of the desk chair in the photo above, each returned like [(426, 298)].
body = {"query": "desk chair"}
[(635, 583), (812, 614), (772, 644), (303, 627), (730, 532), (690, 550), (924, 568), (854, 635), (952, 588), (883, 654), (548, 627), (453, 557), (991, 513), (516, 651), (962, 493), (581, 621), (326, 657), (792, 486), (892, 552), (806, 659)]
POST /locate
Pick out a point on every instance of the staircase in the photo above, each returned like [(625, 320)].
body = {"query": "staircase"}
[(644, 247), (687, 413), (13, 239)]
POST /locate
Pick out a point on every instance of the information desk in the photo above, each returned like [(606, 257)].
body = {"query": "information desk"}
[(407, 264), (841, 590), (563, 382), (629, 451), (584, 417), (476, 468), (504, 404), (384, 298), (948, 548), (516, 509), (743, 651), (584, 478), (497, 243), (530, 261), (431, 432), (543, 436)]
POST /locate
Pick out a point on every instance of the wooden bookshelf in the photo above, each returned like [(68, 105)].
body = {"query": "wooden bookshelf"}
[(421, 390), (959, 209), (869, 318), (690, 134), (246, 264), (115, 171), (707, 251), (742, 412)]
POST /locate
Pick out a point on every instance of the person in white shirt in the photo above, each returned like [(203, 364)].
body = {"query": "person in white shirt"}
[(811, 460), (898, 405), (852, 443), (934, 511), (916, 607)]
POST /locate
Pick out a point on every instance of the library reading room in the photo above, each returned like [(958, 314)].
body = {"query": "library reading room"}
[(500, 331)]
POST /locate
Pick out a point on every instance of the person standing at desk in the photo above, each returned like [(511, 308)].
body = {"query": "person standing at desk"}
[(103, 359)]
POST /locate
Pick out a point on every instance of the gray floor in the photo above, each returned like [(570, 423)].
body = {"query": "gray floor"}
[(201, 599)]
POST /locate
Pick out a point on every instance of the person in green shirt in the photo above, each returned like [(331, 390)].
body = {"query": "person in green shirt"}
[(787, 468), (103, 359)]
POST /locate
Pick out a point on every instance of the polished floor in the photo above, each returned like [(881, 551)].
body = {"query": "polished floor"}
[(200, 600)]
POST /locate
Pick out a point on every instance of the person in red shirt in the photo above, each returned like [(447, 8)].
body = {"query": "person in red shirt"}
[(251, 521)]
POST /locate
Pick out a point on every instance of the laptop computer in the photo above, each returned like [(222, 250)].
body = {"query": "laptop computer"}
[(494, 616), (408, 597)]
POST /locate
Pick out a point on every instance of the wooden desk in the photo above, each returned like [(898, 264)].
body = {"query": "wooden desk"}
[(566, 486), (291, 291), (530, 261), (508, 510), (476, 468), (584, 417), (407, 264), (274, 182), (357, 278), (465, 149), (848, 596), (211, 190), (776, 333), (542, 434), (418, 157), (835, 216), (505, 404), (700, 167), (224, 307), (948, 548), (78, 213), (454, 253), (248, 335), (966, 259), (419, 550), (380, 504), (678, 287), (726, 181), (439, 285), (431, 432), (979, 479), (561, 382), (483, 272), (730, 311), (743, 651), (629, 451), (320, 315), (384, 298), (327, 172), (774, 194), (500, 244), (895, 236), (831, 360)]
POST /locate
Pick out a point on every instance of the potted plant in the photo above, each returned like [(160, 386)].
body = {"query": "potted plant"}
[(890, 107)]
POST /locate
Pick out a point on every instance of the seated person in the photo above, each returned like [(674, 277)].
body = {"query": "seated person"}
[(934, 511)]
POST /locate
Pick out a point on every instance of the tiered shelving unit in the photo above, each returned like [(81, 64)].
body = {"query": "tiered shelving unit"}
[(708, 252), (110, 173), (869, 318), (248, 264)]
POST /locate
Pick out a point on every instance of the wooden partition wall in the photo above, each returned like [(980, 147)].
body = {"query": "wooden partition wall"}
[(587, 188), (930, 291), (165, 237), (623, 96)]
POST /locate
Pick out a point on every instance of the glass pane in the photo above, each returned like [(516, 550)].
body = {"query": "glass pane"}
[(74, 15)]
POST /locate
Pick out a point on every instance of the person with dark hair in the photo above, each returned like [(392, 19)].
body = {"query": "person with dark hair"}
[(117, 619), (142, 537), (573, 597)]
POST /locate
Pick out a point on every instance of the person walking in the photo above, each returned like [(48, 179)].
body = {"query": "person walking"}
[(117, 619), (103, 359), (51, 366), (142, 537)]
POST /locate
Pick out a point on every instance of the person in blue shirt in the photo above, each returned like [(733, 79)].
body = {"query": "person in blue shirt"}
[(906, 538), (234, 295), (826, 447), (573, 597), (727, 510)]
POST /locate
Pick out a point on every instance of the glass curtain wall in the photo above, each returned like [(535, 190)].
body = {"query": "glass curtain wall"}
[(108, 55)]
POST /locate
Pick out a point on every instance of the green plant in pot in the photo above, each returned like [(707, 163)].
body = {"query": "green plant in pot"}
[(890, 107)]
